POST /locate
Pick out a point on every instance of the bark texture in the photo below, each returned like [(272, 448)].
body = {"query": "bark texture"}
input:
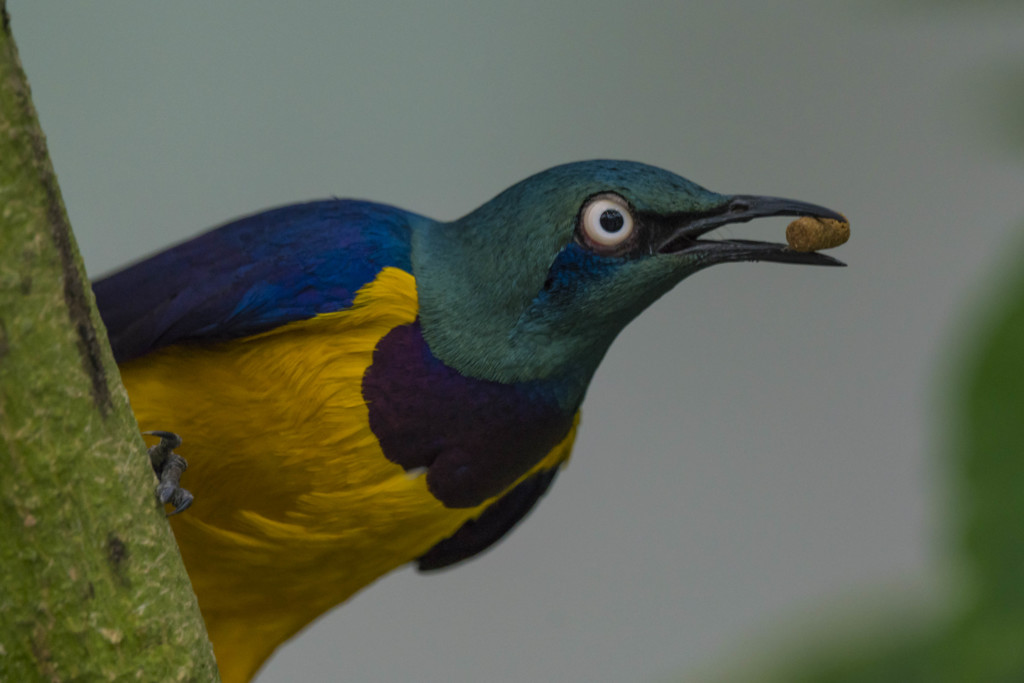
[(91, 583)]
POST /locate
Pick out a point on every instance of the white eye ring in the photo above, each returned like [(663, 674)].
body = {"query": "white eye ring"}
[(607, 221)]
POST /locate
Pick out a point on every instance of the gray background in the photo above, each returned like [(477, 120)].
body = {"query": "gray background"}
[(758, 451)]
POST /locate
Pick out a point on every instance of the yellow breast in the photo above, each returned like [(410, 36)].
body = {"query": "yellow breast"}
[(296, 507)]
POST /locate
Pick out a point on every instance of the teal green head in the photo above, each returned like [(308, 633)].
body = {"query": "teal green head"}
[(537, 282)]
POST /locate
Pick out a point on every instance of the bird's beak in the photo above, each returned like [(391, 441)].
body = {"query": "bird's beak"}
[(684, 239)]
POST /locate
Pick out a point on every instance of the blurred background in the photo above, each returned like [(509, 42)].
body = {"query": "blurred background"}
[(764, 456)]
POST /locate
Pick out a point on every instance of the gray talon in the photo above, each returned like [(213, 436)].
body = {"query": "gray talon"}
[(169, 467)]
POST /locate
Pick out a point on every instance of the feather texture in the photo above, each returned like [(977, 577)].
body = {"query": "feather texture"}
[(297, 506), (253, 274)]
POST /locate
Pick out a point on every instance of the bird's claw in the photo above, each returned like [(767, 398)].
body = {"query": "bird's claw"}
[(169, 467)]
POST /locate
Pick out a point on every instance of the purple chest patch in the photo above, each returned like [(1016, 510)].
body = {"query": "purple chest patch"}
[(474, 437)]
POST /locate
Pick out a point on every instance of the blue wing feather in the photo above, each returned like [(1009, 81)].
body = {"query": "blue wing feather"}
[(253, 274)]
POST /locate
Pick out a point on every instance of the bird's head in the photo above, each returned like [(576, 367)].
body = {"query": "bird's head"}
[(537, 282)]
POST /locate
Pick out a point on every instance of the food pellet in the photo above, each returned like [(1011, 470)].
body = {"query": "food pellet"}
[(808, 233)]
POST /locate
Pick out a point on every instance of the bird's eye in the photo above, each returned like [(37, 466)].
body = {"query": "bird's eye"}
[(606, 221)]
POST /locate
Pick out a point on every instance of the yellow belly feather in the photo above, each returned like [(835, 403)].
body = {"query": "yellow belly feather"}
[(296, 507)]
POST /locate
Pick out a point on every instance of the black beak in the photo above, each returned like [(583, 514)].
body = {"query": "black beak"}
[(740, 208)]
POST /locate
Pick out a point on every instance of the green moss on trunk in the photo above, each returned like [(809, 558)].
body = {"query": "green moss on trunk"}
[(91, 583)]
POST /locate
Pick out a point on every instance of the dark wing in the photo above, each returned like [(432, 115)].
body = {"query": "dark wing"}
[(498, 519), (253, 274)]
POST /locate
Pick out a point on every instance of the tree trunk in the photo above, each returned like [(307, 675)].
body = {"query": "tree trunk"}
[(91, 583)]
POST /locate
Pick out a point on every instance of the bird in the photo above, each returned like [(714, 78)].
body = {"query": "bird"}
[(358, 387)]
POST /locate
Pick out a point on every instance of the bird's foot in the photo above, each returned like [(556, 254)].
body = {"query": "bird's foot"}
[(169, 466)]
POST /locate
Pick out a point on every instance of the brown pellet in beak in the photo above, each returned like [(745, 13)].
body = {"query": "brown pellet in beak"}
[(808, 233)]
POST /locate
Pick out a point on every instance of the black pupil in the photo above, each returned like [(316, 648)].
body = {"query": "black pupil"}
[(612, 220)]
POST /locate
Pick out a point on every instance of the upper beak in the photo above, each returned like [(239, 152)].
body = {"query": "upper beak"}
[(740, 208)]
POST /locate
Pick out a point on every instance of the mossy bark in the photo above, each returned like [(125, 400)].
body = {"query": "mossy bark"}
[(91, 583)]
